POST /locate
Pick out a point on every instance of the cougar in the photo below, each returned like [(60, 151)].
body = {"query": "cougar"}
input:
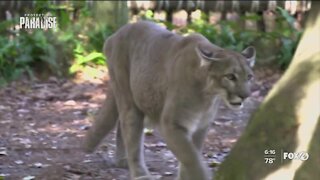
[(174, 82)]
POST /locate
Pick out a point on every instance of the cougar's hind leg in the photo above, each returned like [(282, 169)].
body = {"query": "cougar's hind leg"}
[(131, 129), (104, 122), (131, 121), (121, 156), (130, 116)]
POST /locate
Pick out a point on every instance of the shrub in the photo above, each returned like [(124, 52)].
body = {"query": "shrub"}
[(60, 52), (280, 43)]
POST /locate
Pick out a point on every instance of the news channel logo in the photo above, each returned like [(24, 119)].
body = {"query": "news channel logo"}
[(303, 156), (38, 21), (271, 156)]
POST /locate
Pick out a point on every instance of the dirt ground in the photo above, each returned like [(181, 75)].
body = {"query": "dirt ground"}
[(42, 125)]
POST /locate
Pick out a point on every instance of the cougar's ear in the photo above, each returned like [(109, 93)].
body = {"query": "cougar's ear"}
[(206, 54), (250, 54)]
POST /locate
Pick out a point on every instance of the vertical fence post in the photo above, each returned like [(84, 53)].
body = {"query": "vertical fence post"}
[(111, 13)]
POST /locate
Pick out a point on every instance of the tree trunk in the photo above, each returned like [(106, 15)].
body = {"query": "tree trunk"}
[(112, 13), (287, 121)]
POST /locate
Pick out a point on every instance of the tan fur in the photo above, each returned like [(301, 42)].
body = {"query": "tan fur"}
[(175, 82)]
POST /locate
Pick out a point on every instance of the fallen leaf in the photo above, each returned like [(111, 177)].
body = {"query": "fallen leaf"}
[(84, 127), (4, 108), (70, 103), (87, 161), (28, 178), (148, 132), (168, 173), (3, 152), (18, 162), (38, 165), (2, 175), (23, 111)]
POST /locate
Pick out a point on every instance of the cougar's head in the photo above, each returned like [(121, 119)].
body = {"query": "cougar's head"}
[(228, 74)]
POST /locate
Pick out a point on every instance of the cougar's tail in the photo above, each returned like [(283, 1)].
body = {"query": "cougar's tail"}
[(104, 122)]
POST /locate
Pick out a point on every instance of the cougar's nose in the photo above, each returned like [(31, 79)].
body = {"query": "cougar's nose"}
[(244, 94), (243, 97)]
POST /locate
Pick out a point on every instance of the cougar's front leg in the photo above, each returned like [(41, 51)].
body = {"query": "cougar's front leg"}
[(197, 138), (179, 140)]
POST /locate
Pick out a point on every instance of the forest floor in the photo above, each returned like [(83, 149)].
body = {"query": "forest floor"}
[(42, 125)]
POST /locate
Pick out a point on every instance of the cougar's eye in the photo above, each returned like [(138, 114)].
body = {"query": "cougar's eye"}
[(250, 77), (231, 77)]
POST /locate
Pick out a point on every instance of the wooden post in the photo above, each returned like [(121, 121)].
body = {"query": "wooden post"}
[(111, 13)]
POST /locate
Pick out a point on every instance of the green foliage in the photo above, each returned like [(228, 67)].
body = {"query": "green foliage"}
[(289, 37), (68, 49), (82, 59), (231, 35), (87, 39), (23, 51), (78, 41), (148, 14)]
